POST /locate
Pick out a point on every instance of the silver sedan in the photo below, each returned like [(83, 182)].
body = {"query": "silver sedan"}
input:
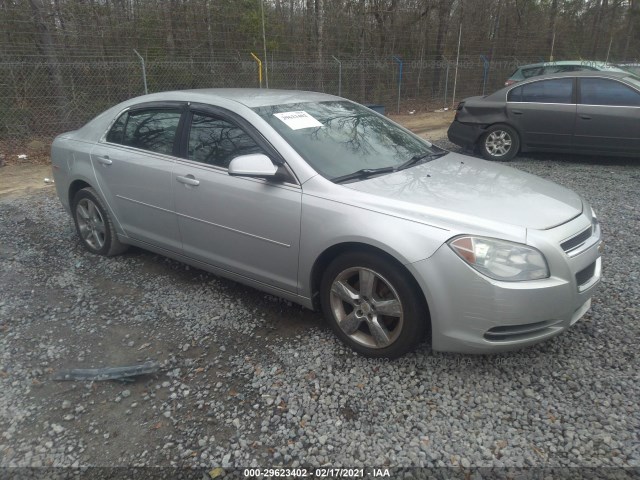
[(326, 203)]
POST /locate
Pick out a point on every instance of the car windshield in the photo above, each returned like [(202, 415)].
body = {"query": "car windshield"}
[(340, 138)]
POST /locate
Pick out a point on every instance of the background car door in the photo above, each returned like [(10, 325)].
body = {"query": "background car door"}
[(249, 226), (608, 116), (544, 112), (133, 168)]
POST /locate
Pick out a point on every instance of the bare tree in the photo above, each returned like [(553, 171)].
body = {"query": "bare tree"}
[(48, 50)]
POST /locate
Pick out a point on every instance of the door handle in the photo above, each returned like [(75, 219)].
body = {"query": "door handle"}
[(516, 112), (585, 117), (105, 160), (189, 180)]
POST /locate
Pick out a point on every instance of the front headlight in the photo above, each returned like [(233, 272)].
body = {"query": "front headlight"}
[(501, 260)]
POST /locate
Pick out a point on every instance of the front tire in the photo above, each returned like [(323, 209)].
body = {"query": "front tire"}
[(500, 142), (372, 305), (94, 225)]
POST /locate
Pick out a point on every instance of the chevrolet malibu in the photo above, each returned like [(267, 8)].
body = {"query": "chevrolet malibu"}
[(328, 204)]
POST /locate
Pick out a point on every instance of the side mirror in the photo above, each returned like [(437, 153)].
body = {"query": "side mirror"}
[(253, 165)]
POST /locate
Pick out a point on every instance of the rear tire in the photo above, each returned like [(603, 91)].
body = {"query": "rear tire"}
[(372, 305), (94, 225), (499, 142)]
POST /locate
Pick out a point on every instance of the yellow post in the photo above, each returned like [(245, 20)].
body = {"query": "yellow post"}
[(259, 68)]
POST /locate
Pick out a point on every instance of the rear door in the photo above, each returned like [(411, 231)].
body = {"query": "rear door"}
[(608, 117), (248, 226), (133, 166), (544, 112)]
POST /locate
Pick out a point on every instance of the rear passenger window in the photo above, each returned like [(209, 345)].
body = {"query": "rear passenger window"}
[(515, 95), (600, 91), (558, 90), (152, 130), (117, 129)]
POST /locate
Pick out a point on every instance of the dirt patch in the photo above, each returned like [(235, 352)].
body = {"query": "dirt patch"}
[(16, 180), (432, 125), (31, 151)]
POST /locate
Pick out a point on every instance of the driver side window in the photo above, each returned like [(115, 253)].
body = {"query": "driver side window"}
[(215, 141)]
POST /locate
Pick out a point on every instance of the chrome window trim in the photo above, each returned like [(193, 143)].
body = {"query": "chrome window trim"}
[(609, 106), (222, 171), (541, 103), (140, 150)]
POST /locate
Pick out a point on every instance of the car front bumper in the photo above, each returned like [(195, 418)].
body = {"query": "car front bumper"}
[(464, 134), (471, 313)]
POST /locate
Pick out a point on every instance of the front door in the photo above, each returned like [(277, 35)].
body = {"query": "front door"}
[(608, 116), (248, 226)]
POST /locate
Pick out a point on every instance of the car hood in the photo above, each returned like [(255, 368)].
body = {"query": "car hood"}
[(458, 188)]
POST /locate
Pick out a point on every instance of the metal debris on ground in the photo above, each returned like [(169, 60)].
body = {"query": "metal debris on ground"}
[(108, 373)]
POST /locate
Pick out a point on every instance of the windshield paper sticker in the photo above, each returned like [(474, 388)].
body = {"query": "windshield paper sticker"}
[(298, 120)]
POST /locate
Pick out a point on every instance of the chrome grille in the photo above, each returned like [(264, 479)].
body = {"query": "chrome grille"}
[(576, 241)]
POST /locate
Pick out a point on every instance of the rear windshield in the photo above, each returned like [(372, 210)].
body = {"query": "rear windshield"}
[(532, 72)]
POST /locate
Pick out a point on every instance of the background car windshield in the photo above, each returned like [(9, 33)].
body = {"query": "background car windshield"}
[(339, 138)]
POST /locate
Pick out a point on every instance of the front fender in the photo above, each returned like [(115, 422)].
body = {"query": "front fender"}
[(326, 223)]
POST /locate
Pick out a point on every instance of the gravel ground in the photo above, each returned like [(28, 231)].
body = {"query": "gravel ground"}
[(247, 379)]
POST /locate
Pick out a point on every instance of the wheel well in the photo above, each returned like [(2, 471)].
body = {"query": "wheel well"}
[(323, 261), (75, 187)]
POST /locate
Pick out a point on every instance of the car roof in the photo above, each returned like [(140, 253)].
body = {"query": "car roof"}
[(250, 97), (587, 63), (582, 73)]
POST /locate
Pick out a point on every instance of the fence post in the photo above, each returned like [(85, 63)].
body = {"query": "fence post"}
[(339, 75), (485, 70), (455, 78), (264, 46), (399, 62), (144, 71), (259, 68), (446, 85)]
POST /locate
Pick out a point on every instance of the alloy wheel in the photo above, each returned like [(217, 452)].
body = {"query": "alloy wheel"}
[(91, 224), (366, 307), (498, 143)]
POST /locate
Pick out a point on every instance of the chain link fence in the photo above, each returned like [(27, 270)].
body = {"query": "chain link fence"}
[(39, 99)]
